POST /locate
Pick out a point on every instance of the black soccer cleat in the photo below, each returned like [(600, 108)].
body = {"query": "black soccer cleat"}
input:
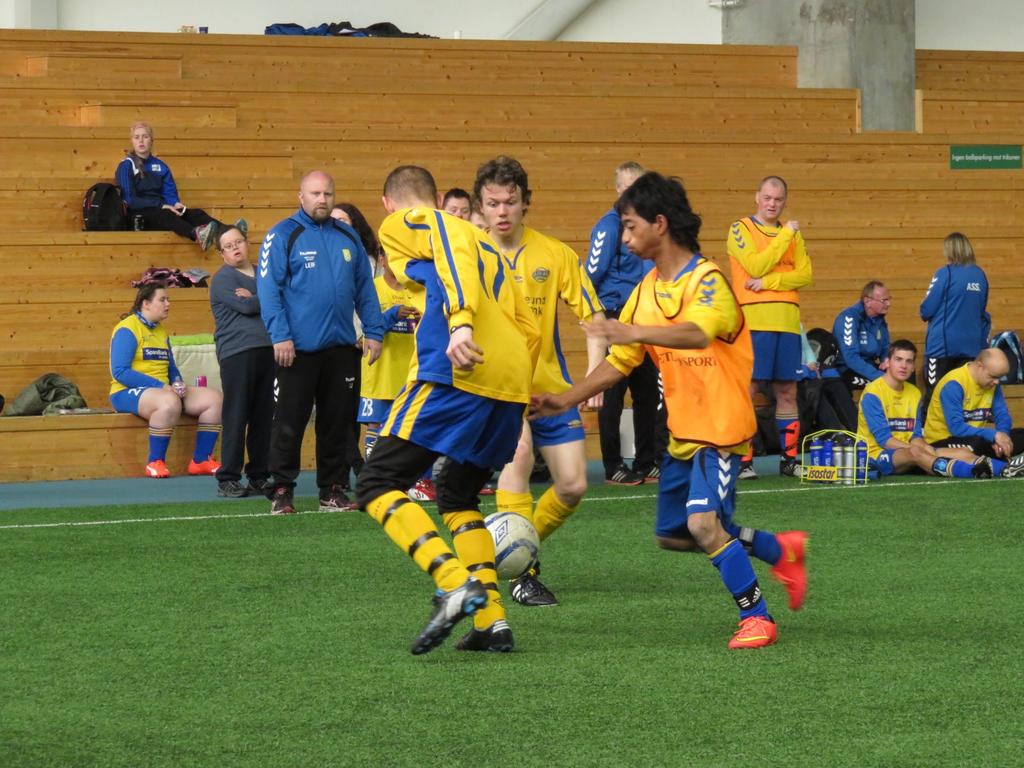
[(529, 590), (789, 467), (982, 468), (1014, 467), (449, 609), (497, 638)]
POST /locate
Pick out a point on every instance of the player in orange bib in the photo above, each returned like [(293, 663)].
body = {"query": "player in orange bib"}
[(686, 317)]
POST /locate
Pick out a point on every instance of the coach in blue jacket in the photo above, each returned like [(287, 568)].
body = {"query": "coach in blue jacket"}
[(955, 308), (615, 271), (863, 336), (313, 273)]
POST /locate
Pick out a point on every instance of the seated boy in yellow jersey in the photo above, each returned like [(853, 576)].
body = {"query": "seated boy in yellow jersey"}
[(769, 265), (467, 390), (545, 270), (685, 316), (890, 417), (965, 402)]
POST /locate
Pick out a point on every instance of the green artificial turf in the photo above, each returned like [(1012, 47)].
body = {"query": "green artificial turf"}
[(249, 640)]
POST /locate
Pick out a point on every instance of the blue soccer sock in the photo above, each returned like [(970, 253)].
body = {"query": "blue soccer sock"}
[(739, 578), (998, 465), (957, 468), (159, 439), (760, 544), (206, 439)]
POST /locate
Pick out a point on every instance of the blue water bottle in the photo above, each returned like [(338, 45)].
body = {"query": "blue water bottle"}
[(826, 452), (862, 462), (816, 448)]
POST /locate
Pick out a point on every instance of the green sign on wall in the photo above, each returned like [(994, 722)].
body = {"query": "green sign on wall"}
[(963, 156)]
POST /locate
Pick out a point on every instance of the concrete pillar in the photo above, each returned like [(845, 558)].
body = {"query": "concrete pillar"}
[(865, 44), (28, 14)]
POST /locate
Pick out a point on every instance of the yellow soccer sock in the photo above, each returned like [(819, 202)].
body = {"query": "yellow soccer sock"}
[(475, 549), (412, 530), (510, 501), (551, 512)]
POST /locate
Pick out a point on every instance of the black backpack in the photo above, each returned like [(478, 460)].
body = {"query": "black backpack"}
[(825, 347), (103, 209), (1009, 342)]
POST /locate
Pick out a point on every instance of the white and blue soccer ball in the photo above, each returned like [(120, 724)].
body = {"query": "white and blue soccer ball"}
[(516, 543)]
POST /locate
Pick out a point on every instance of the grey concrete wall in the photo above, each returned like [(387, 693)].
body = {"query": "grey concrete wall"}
[(865, 44)]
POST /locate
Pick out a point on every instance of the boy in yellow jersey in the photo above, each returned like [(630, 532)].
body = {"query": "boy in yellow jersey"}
[(969, 399), (889, 416), (467, 389), (769, 266), (546, 270), (685, 316), (381, 382)]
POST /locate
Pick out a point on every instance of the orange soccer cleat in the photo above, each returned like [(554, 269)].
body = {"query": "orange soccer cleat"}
[(791, 570), (157, 469), (207, 467), (754, 632)]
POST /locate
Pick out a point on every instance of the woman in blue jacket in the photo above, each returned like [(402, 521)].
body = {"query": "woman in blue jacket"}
[(954, 308)]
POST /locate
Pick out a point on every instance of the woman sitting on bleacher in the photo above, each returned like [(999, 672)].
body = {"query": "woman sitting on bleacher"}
[(149, 191), (146, 382)]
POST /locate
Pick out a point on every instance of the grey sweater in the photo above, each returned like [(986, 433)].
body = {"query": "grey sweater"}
[(238, 324)]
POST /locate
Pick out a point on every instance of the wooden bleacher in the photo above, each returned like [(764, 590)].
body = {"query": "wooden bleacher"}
[(240, 118)]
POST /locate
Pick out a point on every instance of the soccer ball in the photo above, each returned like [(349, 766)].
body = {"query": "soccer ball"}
[(516, 543)]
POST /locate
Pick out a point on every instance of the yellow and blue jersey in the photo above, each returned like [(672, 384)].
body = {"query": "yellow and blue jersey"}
[(546, 269), (884, 414), (140, 355), (456, 276), (960, 407), (385, 378)]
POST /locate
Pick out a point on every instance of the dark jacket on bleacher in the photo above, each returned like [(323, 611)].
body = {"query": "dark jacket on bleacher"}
[(151, 187)]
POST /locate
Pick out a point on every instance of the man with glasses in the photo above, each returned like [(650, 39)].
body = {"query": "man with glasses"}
[(863, 336)]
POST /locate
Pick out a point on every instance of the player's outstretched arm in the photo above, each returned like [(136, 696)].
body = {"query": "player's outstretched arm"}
[(604, 376), (679, 336)]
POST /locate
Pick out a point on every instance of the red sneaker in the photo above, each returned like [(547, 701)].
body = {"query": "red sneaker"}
[(791, 570), (208, 467), (157, 469), (755, 632), (424, 490)]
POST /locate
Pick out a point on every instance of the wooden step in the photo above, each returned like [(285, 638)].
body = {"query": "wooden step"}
[(109, 114), (103, 65)]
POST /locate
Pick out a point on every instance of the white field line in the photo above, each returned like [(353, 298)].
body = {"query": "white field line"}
[(243, 515)]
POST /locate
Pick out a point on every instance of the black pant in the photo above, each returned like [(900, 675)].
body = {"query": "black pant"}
[(650, 430), (395, 464), (163, 220), (248, 381), (981, 446), (934, 369), (318, 377), (353, 456)]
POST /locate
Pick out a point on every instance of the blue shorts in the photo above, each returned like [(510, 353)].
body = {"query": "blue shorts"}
[(883, 463), (555, 430), (465, 427), (127, 400), (777, 356), (373, 411), (705, 483)]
